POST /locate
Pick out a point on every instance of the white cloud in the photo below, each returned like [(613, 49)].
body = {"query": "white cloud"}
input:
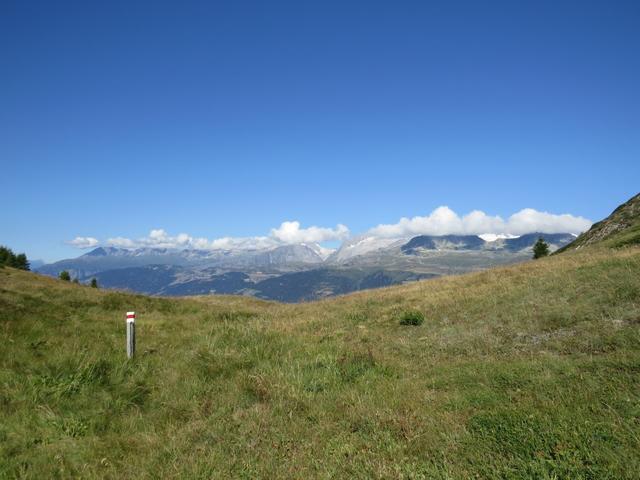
[(121, 242), (290, 232), (530, 220), (444, 221), (84, 242), (287, 233), (242, 243), (159, 238)]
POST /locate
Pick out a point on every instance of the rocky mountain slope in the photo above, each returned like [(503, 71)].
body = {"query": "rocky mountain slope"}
[(620, 228)]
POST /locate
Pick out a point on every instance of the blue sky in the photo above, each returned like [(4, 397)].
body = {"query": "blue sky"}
[(228, 118)]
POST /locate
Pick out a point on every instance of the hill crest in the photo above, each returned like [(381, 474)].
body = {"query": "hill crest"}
[(620, 228)]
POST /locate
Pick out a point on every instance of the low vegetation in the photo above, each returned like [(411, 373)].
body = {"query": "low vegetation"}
[(530, 371), (412, 317)]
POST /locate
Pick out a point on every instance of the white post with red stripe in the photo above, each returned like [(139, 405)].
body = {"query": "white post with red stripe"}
[(131, 334)]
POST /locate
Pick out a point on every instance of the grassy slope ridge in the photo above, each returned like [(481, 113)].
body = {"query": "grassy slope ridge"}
[(619, 229), (530, 371)]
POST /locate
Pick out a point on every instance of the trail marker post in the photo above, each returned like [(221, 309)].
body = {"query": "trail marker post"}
[(131, 334)]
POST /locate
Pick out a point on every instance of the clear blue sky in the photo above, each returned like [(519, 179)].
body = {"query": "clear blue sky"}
[(227, 118)]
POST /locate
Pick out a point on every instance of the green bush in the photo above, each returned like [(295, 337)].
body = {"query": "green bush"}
[(64, 275), (412, 317)]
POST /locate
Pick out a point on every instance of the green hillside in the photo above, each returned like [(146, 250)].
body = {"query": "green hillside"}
[(619, 229), (530, 371)]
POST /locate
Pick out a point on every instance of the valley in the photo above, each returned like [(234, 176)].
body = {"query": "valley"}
[(293, 273)]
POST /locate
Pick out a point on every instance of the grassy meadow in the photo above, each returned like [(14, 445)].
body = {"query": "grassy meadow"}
[(528, 371)]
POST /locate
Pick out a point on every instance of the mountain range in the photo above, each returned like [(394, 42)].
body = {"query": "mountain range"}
[(297, 272)]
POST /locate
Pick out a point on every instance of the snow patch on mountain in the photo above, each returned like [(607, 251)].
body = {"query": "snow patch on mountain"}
[(492, 237), (362, 245), (322, 252)]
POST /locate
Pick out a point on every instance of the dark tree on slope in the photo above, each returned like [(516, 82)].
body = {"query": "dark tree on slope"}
[(10, 259), (21, 262), (94, 283), (64, 275), (540, 249), (6, 256)]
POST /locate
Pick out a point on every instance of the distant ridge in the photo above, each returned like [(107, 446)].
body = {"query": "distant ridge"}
[(296, 272), (529, 239), (474, 242), (452, 242)]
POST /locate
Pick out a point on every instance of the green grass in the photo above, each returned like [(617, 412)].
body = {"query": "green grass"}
[(630, 236), (531, 371)]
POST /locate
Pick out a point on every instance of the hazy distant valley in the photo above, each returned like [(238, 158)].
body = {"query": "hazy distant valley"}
[(298, 272)]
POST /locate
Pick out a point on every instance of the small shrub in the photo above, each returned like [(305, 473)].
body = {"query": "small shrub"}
[(64, 275), (412, 317), (540, 249)]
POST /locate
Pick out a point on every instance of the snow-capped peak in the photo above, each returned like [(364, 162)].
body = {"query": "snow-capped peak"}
[(362, 245), (322, 252), (492, 237)]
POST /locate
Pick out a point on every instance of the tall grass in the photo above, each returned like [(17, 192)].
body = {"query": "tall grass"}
[(530, 371)]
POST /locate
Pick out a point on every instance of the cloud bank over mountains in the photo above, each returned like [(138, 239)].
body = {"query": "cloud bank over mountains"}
[(442, 221), (287, 233), (290, 232)]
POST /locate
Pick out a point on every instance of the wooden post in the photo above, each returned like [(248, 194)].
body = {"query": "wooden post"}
[(131, 334)]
